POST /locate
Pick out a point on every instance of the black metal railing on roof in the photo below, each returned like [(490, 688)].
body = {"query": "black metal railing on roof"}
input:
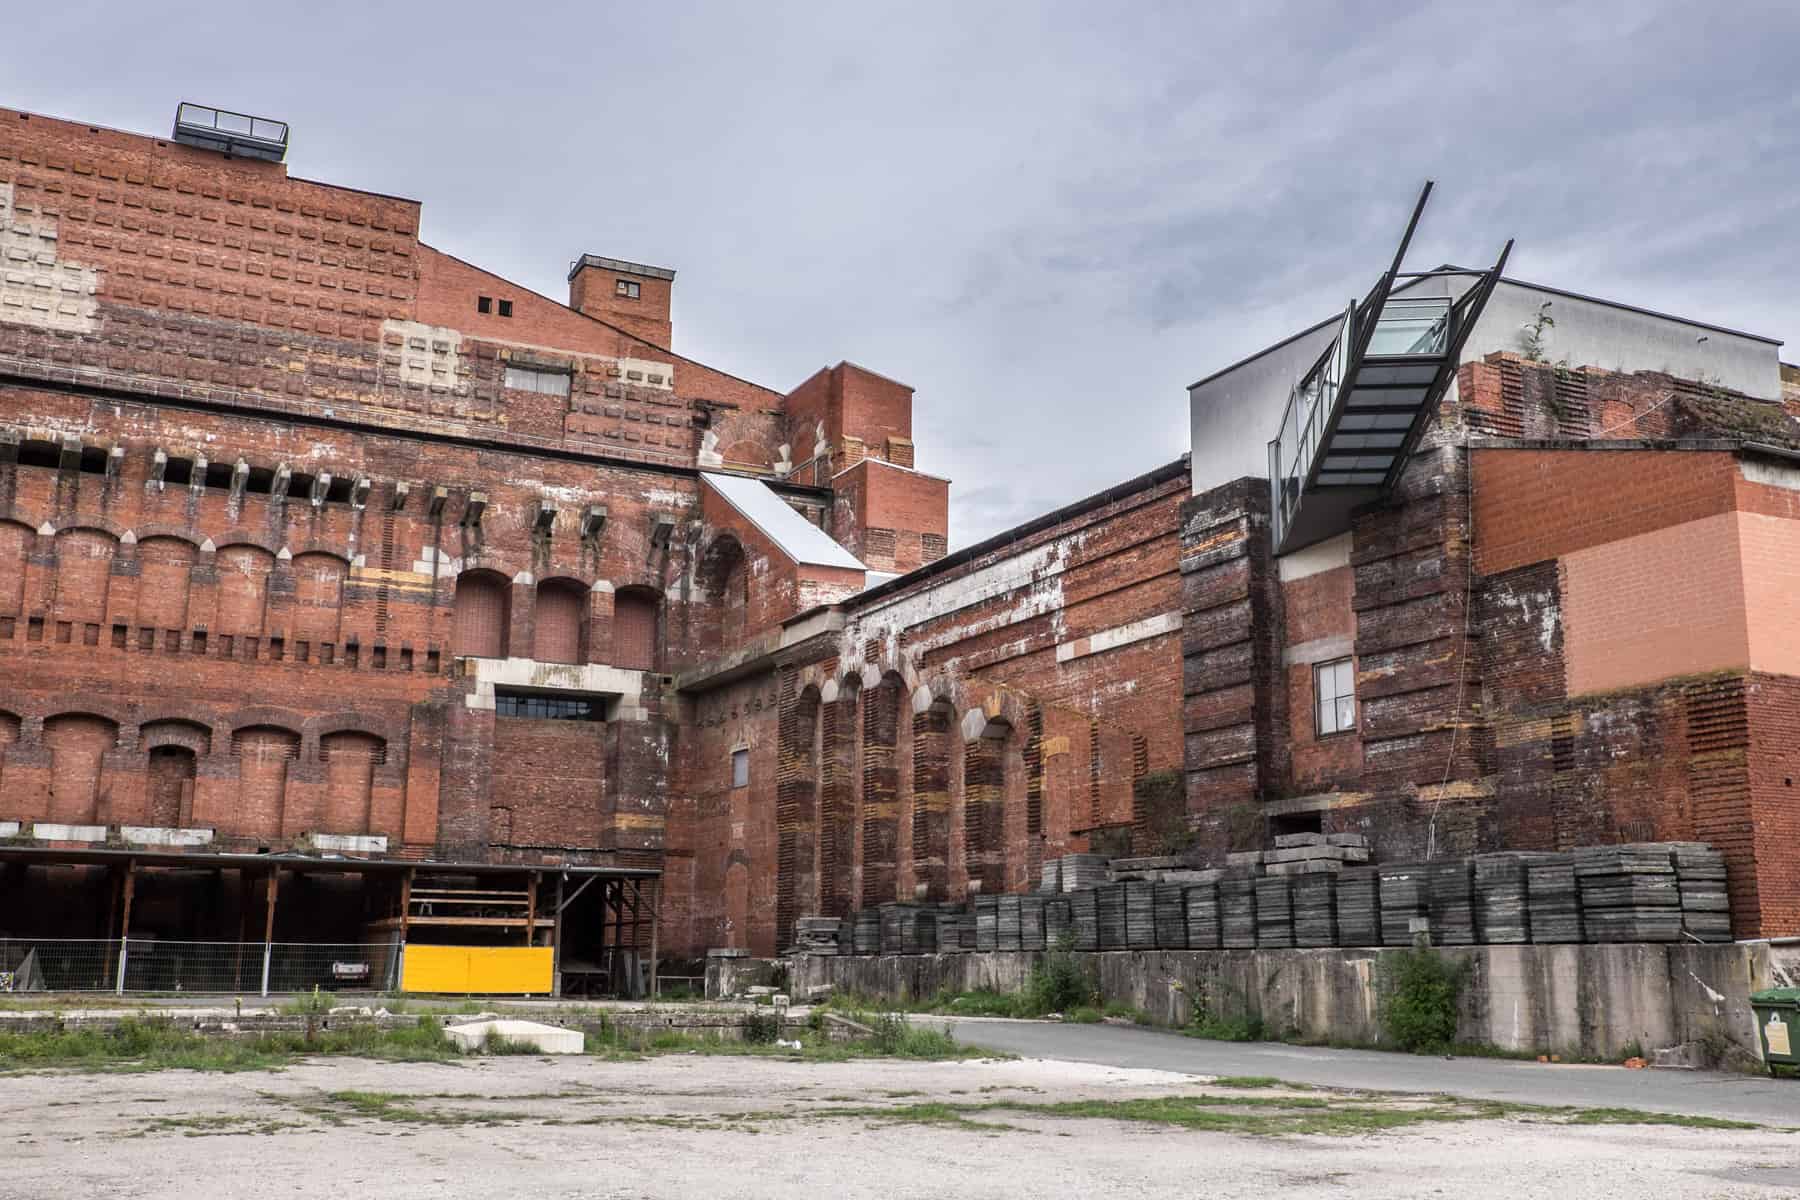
[(230, 132), (1352, 419)]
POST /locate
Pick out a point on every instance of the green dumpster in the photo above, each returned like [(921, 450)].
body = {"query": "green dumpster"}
[(1778, 1020)]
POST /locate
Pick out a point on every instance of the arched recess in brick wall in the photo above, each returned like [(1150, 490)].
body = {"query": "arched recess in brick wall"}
[(481, 615), (263, 753), (557, 623), (837, 800), (985, 759), (737, 906), (165, 573), (318, 597), (78, 744), (931, 750), (636, 612), (243, 573), (15, 546), (175, 748), (881, 785), (350, 762), (796, 808), (724, 579), (83, 570)]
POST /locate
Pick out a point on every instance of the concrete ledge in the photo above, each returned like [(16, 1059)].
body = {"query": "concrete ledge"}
[(546, 1039), (156, 835), (349, 843), (46, 831), (1580, 1000)]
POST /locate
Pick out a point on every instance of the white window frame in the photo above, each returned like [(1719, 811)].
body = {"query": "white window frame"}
[(536, 379), (1334, 697), (740, 768), (628, 289)]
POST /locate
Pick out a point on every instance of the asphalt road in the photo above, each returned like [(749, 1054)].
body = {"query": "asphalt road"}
[(1702, 1093)]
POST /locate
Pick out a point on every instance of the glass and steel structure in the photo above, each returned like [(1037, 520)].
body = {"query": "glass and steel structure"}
[(237, 134), (1355, 415)]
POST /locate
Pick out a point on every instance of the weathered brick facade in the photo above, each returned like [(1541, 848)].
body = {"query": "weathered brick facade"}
[(1573, 623), (307, 528)]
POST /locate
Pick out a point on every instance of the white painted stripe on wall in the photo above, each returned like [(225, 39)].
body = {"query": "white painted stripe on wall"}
[(1119, 635)]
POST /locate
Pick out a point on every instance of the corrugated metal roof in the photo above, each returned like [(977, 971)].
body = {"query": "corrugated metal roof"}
[(792, 533)]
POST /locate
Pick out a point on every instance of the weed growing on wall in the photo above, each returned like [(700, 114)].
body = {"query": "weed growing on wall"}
[(1058, 983), (1420, 990)]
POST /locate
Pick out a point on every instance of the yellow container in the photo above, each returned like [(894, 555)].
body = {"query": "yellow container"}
[(524, 970)]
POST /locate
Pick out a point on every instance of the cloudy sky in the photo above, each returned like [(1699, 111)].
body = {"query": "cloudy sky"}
[(1047, 218)]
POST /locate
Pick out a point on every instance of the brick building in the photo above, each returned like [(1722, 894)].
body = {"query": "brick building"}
[(345, 585), (1525, 579)]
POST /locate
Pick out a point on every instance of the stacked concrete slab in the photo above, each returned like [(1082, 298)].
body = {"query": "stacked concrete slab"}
[(1319, 894), (1315, 853)]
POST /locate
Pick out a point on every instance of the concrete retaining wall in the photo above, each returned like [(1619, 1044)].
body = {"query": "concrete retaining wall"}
[(1585, 1001)]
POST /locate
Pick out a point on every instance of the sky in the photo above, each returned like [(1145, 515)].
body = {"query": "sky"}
[(1048, 218)]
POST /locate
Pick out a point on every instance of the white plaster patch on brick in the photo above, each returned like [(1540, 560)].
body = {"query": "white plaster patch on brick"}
[(36, 286), (1315, 559), (427, 354), (1772, 474), (1036, 572), (1318, 650), (9, 829), (49, 832), (157, 835), (550, 678), (1119, 635), (349, 843), (649, 373)]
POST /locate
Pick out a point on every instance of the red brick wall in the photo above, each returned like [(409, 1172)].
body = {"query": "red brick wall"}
[(1531, 505), (1774, 770)]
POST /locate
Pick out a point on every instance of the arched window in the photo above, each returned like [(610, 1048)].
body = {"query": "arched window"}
[(83, 569), (78, 743), (481, 615), (243, 589), (263, 753), (165, 566), (171, 786), (635, 612), (724, 583), (15, 544), (318, 596), (556, 628), (350, 762)]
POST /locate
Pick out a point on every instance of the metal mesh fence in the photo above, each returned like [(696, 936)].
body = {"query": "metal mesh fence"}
[(157, 965)]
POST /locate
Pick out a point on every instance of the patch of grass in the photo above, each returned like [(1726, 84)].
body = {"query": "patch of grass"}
[(1239, 1027), (1118, 1010), (498, 1043), (336, 1107), (1257, 1081), (1635, 1116), (152, 1045), (310, 1004), (213, 1125), (1086, 1014)]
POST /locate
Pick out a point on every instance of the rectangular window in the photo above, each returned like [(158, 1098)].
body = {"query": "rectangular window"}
[(1334, 697), (506, 308), (627, 289), (547, 708), (545, 383), (484, 304), (740, 768)]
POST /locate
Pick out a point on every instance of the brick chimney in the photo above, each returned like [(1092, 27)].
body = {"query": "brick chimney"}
[(628, 295)]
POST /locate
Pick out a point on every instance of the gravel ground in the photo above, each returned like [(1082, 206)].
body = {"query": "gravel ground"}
[(697, 1125)]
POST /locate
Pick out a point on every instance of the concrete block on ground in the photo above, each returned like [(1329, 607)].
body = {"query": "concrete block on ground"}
[(546, 1039)]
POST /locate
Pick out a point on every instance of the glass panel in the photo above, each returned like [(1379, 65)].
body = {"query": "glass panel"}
[(740, 768), (1412, 325), (1346, 712)]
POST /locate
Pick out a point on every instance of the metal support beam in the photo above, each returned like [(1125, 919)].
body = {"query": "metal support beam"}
[(269, 926)]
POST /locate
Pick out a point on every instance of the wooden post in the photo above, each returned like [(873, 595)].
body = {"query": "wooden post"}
[(243, 907), (125, 920), (531, 909), (619, 934), (655, 920), (556, 941), (269, 926), (406, 886)]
